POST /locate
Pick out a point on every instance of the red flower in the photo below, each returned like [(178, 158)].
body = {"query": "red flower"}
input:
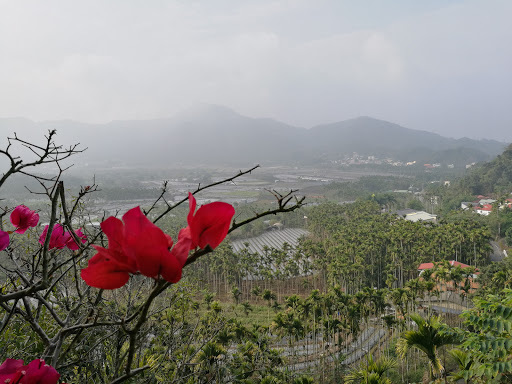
[(23, 218), (36, 372), (4, 240), (135, 245), (58, 239), (210, 224)]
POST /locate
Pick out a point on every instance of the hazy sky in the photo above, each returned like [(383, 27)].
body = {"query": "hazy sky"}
[(437, 65)]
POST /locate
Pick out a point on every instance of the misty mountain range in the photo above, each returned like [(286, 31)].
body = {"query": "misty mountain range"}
[(208, 134)]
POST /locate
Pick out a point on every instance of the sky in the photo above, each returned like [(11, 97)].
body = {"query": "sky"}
[(440, 65)]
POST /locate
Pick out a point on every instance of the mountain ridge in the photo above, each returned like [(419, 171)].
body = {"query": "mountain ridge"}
[(219, 135)]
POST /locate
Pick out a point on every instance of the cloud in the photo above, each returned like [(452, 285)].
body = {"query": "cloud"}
[(437, 65)]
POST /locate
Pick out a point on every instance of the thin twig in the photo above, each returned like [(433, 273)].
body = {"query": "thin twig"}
[(199, 189)]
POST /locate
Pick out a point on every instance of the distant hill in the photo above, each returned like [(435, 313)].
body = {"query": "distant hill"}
[(208, 134), (369, 136)]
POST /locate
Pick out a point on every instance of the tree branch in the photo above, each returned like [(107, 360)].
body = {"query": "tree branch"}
[(199, 189)]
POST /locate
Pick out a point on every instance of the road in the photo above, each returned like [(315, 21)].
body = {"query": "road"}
[(497, 254)]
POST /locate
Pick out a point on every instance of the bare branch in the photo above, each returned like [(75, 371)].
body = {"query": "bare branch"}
[(49, 153), (282, 206), (199, 189), (161, 197), (84, 191), (33, 323), (67, 219), (129, 375)]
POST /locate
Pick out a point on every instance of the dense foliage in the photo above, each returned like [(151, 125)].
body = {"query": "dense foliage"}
[(357, 246), (492, 177), (347, 304)]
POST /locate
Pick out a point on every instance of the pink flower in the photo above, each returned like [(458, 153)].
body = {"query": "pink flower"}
[(135, 245), (9, 369), (4, 240), (70, 242), (36, 372), (210, 224), (58, 239), (23, 218)]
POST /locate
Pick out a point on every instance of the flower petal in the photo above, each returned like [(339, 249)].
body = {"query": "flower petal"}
[(191, 207), (113, 228), (105, 273), (71, 244), (170, 269), (58, 238), (145, 242), (169, 241), (4, 240), (16, 215), (34, 219), (8, 368), (183, 246), (23, 218), (210, 224), (42, 238), (38, 372)]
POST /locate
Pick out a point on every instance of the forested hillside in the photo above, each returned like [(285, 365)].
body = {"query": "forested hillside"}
[(494, 177)]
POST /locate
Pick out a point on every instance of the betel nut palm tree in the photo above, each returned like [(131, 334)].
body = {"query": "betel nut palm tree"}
[(372, 371), (428, 337)]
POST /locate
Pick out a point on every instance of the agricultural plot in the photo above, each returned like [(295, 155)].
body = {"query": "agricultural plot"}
[(273, 239)]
